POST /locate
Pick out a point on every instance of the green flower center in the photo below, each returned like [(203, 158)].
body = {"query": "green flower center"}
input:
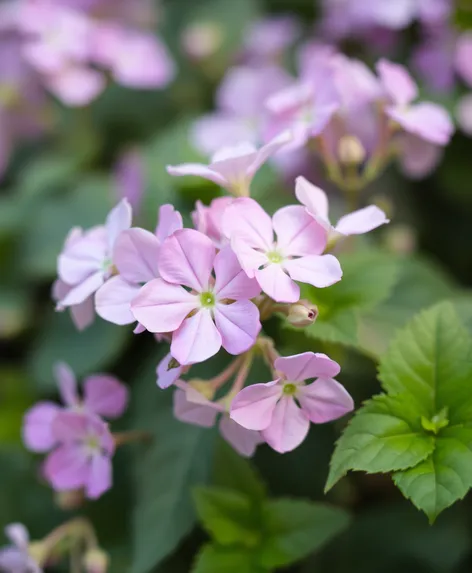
[(290, 388), (207, 299), (275, 257), (92, 443)]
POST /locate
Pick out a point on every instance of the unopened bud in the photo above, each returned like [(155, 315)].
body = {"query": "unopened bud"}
[(96, 561), (350, 150), (302, 313), (68, 500), (203, 387)]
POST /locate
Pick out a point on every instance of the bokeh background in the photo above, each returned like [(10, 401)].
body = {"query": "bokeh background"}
[(64, 164)]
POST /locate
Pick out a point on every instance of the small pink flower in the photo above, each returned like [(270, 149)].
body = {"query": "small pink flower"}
[(209, 220), (209, 312), (168, 371), (191, 407), (83, 456), (87, 258), (16, 558), (75, 85), (268, 38), (129, 177), (294, 256), (136, 255), (426, 120), (234, 167), (355, 223), (283, 409)]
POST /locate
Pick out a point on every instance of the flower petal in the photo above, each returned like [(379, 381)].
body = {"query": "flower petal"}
[(18, 535), (319, 271), (37, 427), (105, 396), (427, 120), (238, 324), (253, 407), (186, 258), (113, 301), (246, 218), (170, 221), (67, 383), (118, 220), (267, 151), (324, 400), (167, 375), (136, 254), (397, 82), (307, 365), (69, 427), (67, 467), (277, 284), (249, 258), (198, 170), (83, 314), (193, 413), (196, 339), (231, 281), (298, 233), (99, 478), (83, 256), (79, 293), (314, 199), (243, 441), (288, 428), (161, 307), (361, 221)]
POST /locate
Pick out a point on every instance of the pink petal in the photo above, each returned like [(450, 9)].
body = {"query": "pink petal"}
[(67, 467), (161, 307), (198, 170), (37, 425), (246, 218), (238, 323), (136, 254), (83, 258), (79, 293), (324, 400), (314, 199), (99, 478), (397, 82), (463, 57), (278, 285), (113, 301), (83, 314), (267, 151), (18, 535), (233, 163), (253, 406), (67, 383), (105, 396), (418, 158), (15, 560), (319, 271), (361, 221), (216, 130), (70, 427), (193, 413), (298, 233), (231, 281), (170, 221), (288, 428), (209, 220), (118, 220), (186, 258), (243, 441), (76, 86), (307, 365), (196, 340), (166, 376), (427, 120), (249, 258)]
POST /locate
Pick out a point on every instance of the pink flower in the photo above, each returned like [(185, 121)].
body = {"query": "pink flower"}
[(75, 85), (130, 177), (168, 371), (103, 395), (234, 167), (463, 57), (426, 120), (209, 312), (418, 157), (16, 558), (136, 255), (269, 37), (191, 407), (83, 457), (283, 409), (356, 223), (86, 261), (294, 256), (209, 220)]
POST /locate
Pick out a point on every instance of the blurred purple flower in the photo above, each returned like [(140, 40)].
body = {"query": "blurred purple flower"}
[(269, 37), (16, 557), (130, 178)]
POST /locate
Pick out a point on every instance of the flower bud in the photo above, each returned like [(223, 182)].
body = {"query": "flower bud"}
[(302, 313), (203, 387), (68, 500), (350, 150), (96, 561)]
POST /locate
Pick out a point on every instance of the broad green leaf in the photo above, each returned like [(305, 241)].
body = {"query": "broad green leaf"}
[(227, 515), (444, 477), (164, 471), (295, 528), (384, 435), (216, 559)]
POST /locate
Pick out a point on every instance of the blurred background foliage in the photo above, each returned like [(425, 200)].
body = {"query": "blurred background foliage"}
[(67, 180)]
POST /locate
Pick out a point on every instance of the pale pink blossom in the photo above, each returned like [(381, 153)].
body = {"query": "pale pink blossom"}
[(269, 37), (209, 312), (168, 371), (355, 223), (209, 219), (75, 85), (16, 557), (418, 157), (296, 255), (283, 409)]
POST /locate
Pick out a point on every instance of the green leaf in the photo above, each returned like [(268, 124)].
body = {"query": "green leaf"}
[(228, 516), (164, 471), (216, 559), (295, 528), (443, 478), (384, 435)]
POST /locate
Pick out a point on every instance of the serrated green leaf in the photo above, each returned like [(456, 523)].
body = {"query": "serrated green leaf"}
[(294, 528), (227, 515), (216, 559), (444, 477), (384, 435)]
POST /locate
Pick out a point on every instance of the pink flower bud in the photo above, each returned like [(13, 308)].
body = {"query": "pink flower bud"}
[(350, 150), (96, 561), (302, 313)]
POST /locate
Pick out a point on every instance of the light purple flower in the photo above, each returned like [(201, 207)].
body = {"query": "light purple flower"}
[(136, 256), (355, 223), (233, 168), (463, 57), (417, 157), (103, 395), (209, 219), (296, 255), (283, 409), (86, 261), (193, 408), (209, 312), (75, 85), (426, 120), (83, 457), (269, 37), (130, 178), (16, 558)]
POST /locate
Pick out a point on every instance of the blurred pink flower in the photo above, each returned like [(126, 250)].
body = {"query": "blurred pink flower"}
[(417, 157), (129, 177), (463, 57), (269, 37), (283, 409), (16, 557)]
